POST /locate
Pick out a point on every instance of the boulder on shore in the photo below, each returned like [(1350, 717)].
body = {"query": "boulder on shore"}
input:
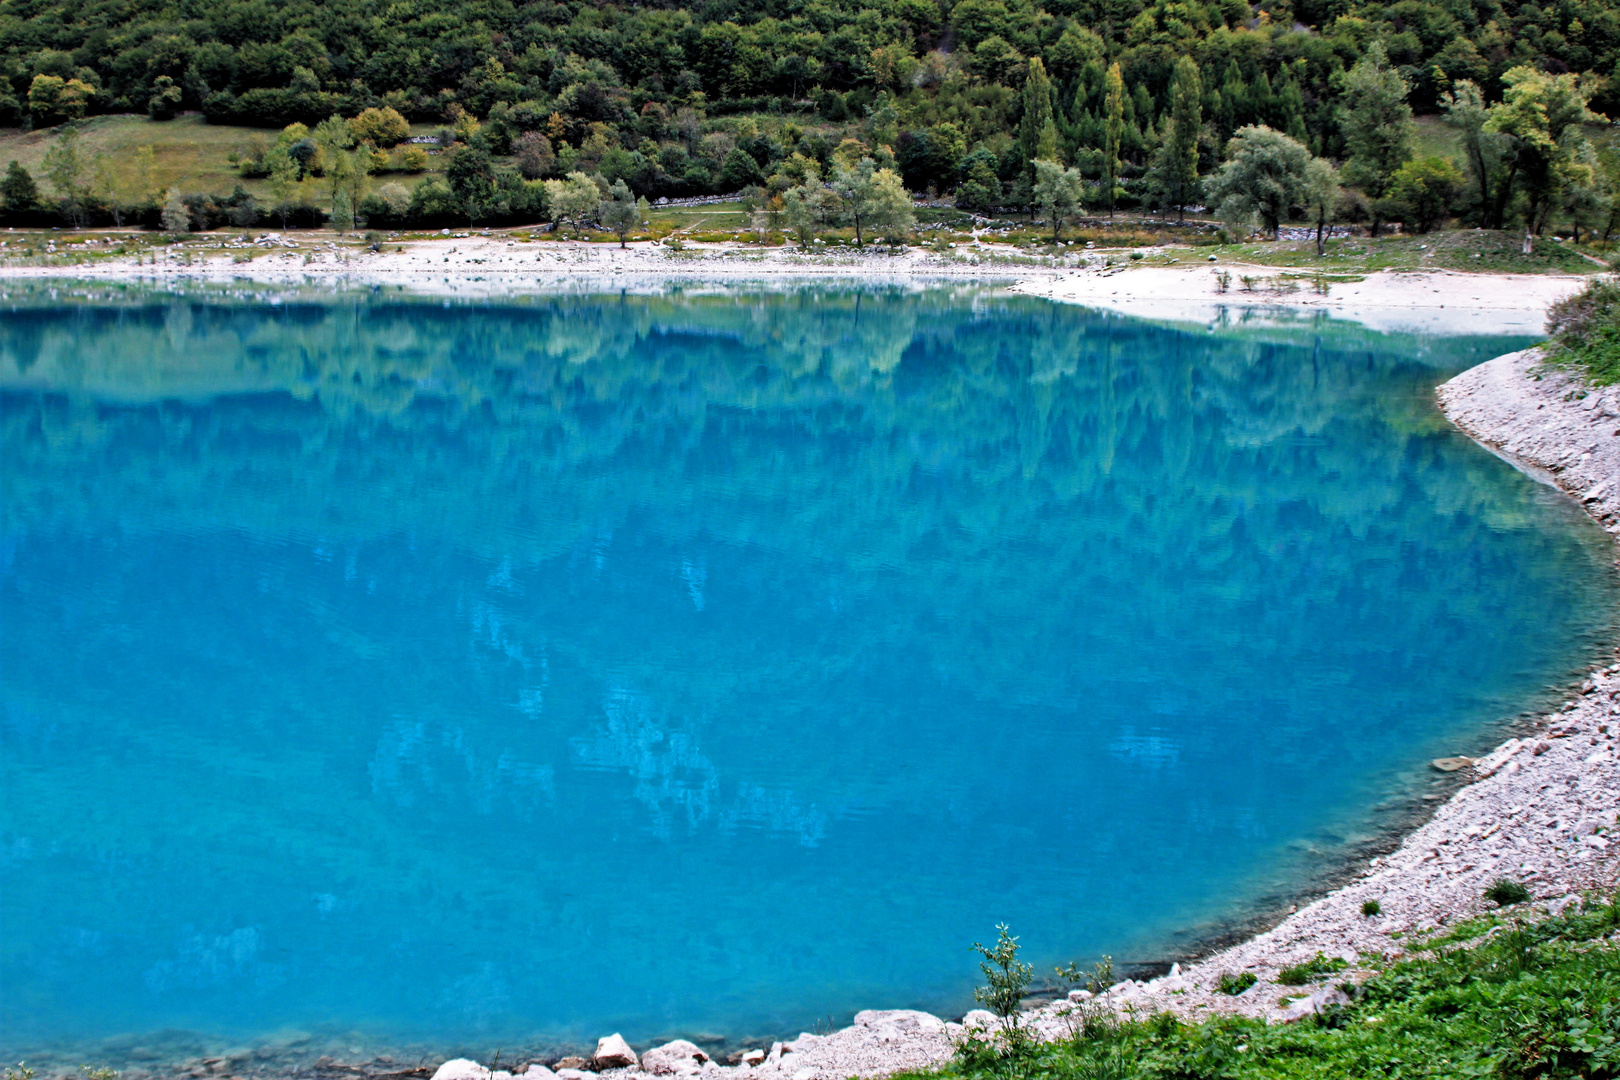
[(612, 1052), (461, 1069), (678, 1058)]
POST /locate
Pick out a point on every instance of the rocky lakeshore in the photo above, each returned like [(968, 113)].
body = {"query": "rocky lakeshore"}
[(1540, 810)]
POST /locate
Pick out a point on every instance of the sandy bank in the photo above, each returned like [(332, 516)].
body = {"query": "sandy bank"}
[(500, 264), (1438, 301)]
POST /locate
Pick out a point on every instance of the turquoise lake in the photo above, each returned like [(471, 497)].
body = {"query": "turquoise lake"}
[(469, 674)]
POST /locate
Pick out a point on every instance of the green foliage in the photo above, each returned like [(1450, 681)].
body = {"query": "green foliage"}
[(18, 191), (1058, 192), (618, 211), (1175, 168), (1236, 984), (1424, 190), (1265, 174), (1585, 330), (1522, 1000), (343, 213), (1370, 908), (1315, 969), (1539, 118), (1006, 978), (1505, 892), (1378, 127)]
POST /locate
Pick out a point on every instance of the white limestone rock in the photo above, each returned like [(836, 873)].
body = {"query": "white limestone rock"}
[(612, 1052), (678, 1058), (461, 1069)]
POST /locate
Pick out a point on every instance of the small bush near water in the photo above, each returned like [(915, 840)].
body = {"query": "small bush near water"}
[(1371, 908), (1317, 967), (1493, 998), (1585, 331), (1236, 984), (1505, 892)]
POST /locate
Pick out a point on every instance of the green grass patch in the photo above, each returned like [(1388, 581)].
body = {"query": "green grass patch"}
[(1467, 250), (1519, 999), (1315, 969), (1585, 331)]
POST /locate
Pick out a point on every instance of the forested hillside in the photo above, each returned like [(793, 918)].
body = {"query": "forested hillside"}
[(1133, 102)]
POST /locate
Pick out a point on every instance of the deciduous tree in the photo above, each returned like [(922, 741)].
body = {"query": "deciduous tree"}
[(1058, 192), (1264, 175)]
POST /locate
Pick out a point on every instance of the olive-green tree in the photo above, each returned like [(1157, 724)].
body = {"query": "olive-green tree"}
[(1321, 196), (619, 211), (573, 199), (67, 166), (1058, 192), (1264, 175), (1541, 116)]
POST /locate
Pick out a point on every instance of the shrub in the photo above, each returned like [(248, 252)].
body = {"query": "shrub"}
[(1505, 892), (412, 159), (1371, 908), (1236, 984), (384, 126), (1317, 967), (1585, 330)]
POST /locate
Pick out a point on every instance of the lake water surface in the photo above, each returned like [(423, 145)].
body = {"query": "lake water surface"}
[(486, 673)]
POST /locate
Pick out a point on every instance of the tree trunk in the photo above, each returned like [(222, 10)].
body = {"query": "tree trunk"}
[(1321, 220), (1529, 240)]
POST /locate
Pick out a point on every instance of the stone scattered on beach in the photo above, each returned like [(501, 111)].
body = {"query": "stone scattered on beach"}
[(537, 1071), (679, 1058), (1451, 764), (612, 1052), (575, 1063), (461, 1069)]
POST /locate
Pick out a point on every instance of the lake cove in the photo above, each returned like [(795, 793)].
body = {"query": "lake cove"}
[(454, 675)]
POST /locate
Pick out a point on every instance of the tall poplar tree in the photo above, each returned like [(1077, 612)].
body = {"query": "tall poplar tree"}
[(1037, 101), (1114, 119)]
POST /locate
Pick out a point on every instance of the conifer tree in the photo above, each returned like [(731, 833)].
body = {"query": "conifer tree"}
[(1176, 165), (1234, 99), (1378, 125), (18, 190), (1263, 103)]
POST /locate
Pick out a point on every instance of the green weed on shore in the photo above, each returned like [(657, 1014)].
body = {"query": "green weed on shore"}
[(1498, 996), (1585, 331)]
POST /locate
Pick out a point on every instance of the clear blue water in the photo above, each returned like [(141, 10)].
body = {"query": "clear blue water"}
[(473, 673)]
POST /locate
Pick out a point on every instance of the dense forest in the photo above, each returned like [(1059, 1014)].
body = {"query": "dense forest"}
[(1127, 102)]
